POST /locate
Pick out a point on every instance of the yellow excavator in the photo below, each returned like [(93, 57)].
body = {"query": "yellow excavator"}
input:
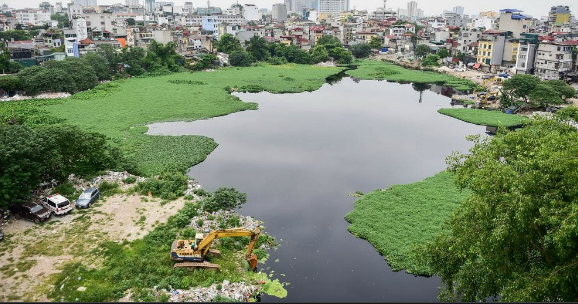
[(192, 254)]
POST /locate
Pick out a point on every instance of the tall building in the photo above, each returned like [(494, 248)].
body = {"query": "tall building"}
[(514, 21), (459, 10), (132, 2), (85, 2), (333, 6), (150, 6), (251, 12), (559, 14), (188, 7), (412, 10), (279, 12)]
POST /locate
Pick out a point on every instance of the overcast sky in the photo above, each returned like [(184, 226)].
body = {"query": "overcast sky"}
[(536, 8)]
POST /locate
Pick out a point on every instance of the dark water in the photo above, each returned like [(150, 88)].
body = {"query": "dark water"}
[(298, 157)]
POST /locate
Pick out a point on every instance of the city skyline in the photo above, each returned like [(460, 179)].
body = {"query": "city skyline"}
[(535, 8)]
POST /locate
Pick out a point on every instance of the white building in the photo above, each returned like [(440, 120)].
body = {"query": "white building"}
[(251, 12), (36, 17), (74, 10), (132, 2), (80, 28), (459, 10), (279, 12), (333, 6)]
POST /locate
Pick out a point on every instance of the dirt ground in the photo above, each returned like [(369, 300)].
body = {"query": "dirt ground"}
[(30, 253)]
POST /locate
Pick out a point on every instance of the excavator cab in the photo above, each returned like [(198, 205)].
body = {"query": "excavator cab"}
[(198, 239)]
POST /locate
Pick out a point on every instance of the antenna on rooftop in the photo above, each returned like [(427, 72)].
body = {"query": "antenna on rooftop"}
[(384, 7)]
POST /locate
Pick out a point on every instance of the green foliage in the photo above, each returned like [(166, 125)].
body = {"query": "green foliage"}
[(27, 112), (543, 95), (328, 40), (98, 64), (520, 86), (70, 75), (169, 185), (224, 199), (291, 53), (229, 44), (258, 48), (101, 90), (65, 189), (193, 82), (319, 54), (362, 50), (443, 53), (371, 69), (240, 58), (6, 65), (29, 157), (17, 35), (202, 192), (515, 236), (61, 18), (130, 21), (431, 60), (207, 61), (561, 88), (129, 180), (484, 117), (108, 189), (10, 83), (376, 42), (402, 218), (277, 60), (422, 50)]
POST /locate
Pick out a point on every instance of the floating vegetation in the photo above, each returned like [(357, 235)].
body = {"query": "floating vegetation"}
[(193, 82)]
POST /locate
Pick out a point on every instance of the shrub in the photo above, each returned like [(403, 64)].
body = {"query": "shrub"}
[(10, 83), (129, 180), (361, 50), (168, 185), (224, 199), (277, 60), (240, 58), (201, 192), (108, 189)]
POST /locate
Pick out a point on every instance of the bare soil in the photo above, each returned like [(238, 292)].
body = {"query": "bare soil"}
[(31, 253)]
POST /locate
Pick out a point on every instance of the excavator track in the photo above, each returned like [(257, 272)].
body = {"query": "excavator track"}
[(193, 265)]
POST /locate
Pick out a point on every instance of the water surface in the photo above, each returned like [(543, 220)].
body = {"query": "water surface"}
[(299, 156)]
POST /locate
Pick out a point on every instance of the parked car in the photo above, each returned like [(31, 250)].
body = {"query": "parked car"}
[(460, 69), (504, 75), (487, 76), (57, 204), (87, 198), (31, 211)]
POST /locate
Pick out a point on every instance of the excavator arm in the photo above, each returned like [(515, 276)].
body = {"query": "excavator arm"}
[(205, 244)]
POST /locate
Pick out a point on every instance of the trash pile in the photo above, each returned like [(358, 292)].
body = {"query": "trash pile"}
[(39, 96), (191, 187), (210, 221), (115, 177), (236, 291), (326, 64)]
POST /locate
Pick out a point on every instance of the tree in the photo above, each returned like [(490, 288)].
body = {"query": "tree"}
[(520, 86), (99, 65), (258, 48), (133, 57), (515, 236), (206, 62), (228, 44), (10, 83), (319, 54), (62, 19), (376, 42), (240, 58), (224, 199), (362, 50), (162, 56), (443, 53), (6, 65), (17, 35), (562, 88), (422, 50), (71, 75), (130, 21), (327, 39), (543, 95)]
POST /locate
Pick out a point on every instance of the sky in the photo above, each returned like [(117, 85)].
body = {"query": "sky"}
[(536, 8)]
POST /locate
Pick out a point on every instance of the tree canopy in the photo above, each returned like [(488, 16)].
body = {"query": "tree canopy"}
[(224, 199), (534, 92), (516, 236), (422, 50), (362, 50), (376, 42), (258, 48), (228, 44), (240, 58), (443, 53)]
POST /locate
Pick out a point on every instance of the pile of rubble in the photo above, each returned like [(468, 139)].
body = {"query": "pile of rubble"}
[(39, 96), (191, 187), (326, 64), (211, 221), (115, 177), (236, 291)]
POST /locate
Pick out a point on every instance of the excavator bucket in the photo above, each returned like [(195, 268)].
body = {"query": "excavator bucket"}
[(252, 260)]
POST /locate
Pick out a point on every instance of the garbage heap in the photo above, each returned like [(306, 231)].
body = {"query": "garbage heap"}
[(225, 291)]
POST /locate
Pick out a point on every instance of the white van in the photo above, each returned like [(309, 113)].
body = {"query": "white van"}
[(58, 204)]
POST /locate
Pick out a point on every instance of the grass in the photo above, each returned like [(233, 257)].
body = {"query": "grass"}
[(484, 117), (371, 69), (121, 109), (398, 220), (145, 263)]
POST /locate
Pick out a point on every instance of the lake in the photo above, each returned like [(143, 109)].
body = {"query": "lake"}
[(300, 155)]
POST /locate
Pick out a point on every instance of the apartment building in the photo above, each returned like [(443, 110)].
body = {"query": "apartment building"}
[(553, 59)]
